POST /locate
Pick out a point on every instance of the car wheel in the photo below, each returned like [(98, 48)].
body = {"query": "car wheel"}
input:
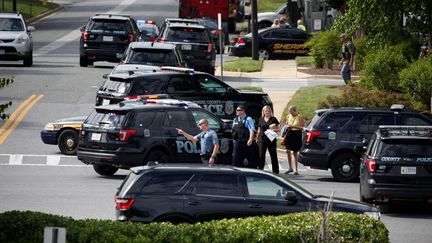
[(264, 54), (158, 156), (345, 168), (83, 61), (28, 60), (264, 24), (68, 141), (105, 170)]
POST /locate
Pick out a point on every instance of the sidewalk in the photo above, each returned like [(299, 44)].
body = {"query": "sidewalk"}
[(279, 69)]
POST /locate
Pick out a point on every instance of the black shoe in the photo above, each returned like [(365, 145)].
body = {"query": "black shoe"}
[(288, 171)]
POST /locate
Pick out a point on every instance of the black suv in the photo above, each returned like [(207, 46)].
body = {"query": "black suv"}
[(153, 53), (211, 93), (194, 41), (105, 38), (192, 193), (397, 165), (131, 133), (332, 134)]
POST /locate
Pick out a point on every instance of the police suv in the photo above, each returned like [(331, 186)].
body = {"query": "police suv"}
[(397, 165), (206, 90), (133, 132)]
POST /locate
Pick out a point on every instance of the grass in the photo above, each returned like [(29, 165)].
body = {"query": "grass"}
[(303, 61), (307, 99), (270, 5), (254, 88), (28, 8), (243, 64)]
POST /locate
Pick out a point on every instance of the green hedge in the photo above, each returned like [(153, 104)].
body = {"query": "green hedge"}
[(324, 48), (28, 226)]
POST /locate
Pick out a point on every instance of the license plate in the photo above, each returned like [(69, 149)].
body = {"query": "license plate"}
[(186, 47), (105, 102), (107, 38), (408, 170), (2, 52), (96, 136)]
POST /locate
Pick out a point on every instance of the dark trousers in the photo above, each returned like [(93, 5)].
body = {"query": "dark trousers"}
[(242, 151), (265, 144)]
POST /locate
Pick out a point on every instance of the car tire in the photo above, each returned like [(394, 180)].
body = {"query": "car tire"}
[(345, 168), (105, 170), (264, 54), (157, 156), (28, 60), (264, 24), (83, 61), (68, 142)]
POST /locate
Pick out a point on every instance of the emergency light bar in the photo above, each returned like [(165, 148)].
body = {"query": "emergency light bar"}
[(422, 131), (178, 69)]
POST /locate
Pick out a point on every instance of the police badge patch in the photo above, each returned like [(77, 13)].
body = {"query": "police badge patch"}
[(229, 107)]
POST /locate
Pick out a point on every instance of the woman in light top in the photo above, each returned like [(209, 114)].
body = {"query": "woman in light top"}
[(293, 131)]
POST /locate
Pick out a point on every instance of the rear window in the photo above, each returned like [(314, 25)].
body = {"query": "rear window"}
[(156, 57), (411, 148), (110, 26), (186, 34), (113, 86), (105, 119)]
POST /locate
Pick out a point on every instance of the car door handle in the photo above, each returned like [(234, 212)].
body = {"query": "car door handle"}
[(254, 206), (194, 203)]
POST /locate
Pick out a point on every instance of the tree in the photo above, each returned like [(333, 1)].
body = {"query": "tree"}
[(3, 83), (340, 5)]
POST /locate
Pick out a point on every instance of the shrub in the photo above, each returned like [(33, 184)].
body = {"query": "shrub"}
[(381, 69), (361, 49), (299, 227), (354, 96), (410, 48), (324, 48), (416, 81)]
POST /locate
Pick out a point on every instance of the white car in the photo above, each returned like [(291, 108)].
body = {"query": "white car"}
[(15, 39), (266, 19)]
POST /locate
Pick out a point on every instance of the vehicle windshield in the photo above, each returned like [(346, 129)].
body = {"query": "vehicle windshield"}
[(185, 34), (410, 148), (110, 26), (118, 87), (105, 119), (11, 24), (156, 57)]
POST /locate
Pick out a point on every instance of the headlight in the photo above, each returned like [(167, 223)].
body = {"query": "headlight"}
[(22, 38), (375, 215), (49, 127)]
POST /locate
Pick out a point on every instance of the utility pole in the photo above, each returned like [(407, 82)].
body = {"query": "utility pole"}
[(14, 7), (255, 44)]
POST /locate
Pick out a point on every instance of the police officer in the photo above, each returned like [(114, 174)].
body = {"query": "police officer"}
[(243, 133), (208, 139)]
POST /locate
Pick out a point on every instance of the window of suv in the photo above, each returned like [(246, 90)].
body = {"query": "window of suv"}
[(176, 119), (157, 57), (141, 119), (405, 148), (212, 122), (116, 86), (187, 34), (219, 185), (209, 85), (11, 24), (258, 187), (146, 85), (413, 120), (371, 122), (180, 85), (110, 26), (105, 119), (166, 184), (335, 121)]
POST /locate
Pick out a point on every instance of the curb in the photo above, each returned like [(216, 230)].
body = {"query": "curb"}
[(44, 14)]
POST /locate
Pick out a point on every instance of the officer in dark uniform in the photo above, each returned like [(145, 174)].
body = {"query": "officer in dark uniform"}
[(243, 133)]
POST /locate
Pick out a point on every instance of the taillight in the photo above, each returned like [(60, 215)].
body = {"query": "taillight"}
[(161, 40), (124, 135), (371, 165), (85, 35), (131, 37), (124, 203), (310, 135), (210, 47), (152, 39), (240, 42), (132, 97)]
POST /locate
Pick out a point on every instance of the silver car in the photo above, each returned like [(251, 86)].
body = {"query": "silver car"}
[(15, 38)]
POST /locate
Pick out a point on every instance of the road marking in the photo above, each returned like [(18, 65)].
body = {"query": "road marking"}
[(15, 113), (34, 99), (53, 160), (16, 159)]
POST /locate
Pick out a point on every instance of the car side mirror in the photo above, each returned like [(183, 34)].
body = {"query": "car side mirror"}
[(31, 28), (291, 197), (82, 29), (105, 76)]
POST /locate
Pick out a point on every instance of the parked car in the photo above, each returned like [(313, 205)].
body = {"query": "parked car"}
[(63, 133), (189, 193), (134, 132), (206, 90), (397, 165), (105, 38), (153, 53), (332, 134), (265, 19), (212, 26), (15, 39), (274, 43)]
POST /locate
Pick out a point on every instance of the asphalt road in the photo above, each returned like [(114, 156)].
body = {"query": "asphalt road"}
[(60, 88)]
